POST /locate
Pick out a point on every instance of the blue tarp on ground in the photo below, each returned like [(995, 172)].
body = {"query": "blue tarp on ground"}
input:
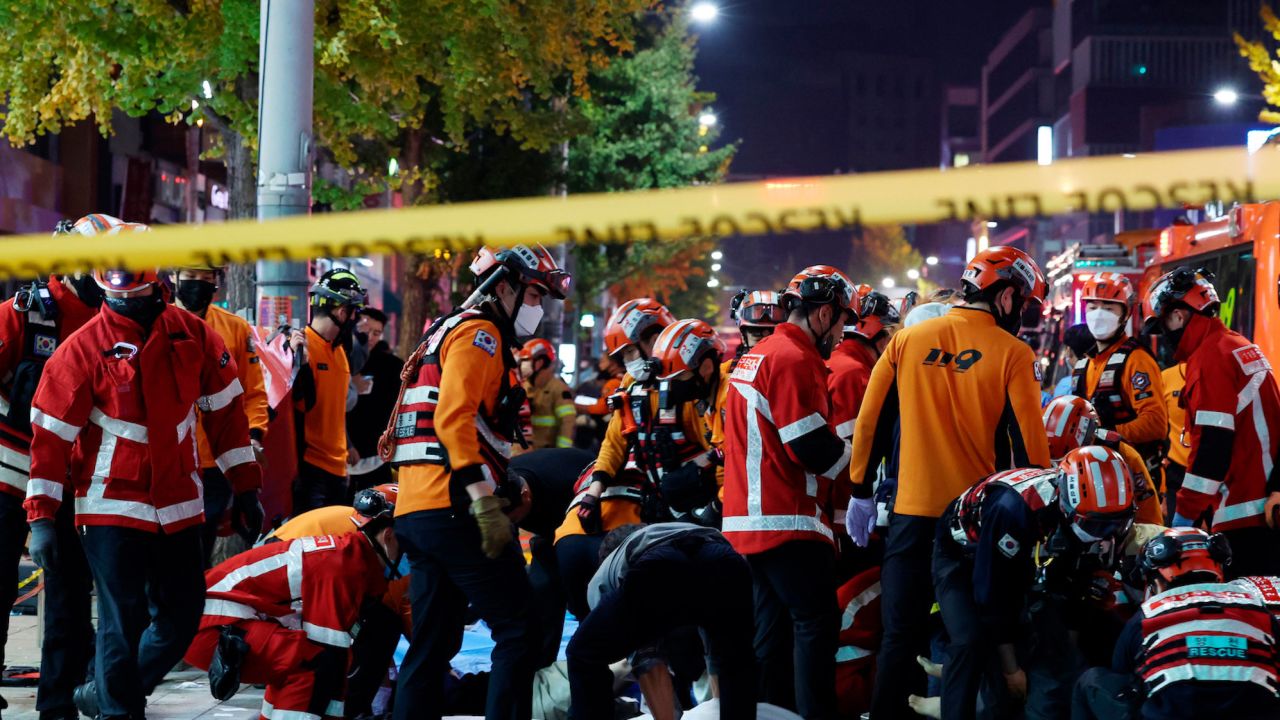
[(477, 645)]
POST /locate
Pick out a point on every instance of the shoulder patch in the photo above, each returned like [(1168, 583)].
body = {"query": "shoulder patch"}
[(226, 358), (1140, 381), (1251, 359), (748, 366), (486, 342), (1039, 373), (322, 542), (44, 345), (1009, 547)]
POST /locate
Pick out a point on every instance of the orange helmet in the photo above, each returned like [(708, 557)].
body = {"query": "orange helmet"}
[(535, 266), (1005, 264), (537, 347), (1095, 493), (1111, 287), (390, 490), (632, 321), (683, 344), (823, 284), (876, 313), (1182, 551), (1183, 287), (1070, 422), (113, 279), (758, 308)]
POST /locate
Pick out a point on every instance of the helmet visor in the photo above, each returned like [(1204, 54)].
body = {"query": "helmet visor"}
[(1096, 528), (760, 314)]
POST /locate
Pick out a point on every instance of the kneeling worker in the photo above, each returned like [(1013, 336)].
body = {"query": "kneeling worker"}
[(252, 633)]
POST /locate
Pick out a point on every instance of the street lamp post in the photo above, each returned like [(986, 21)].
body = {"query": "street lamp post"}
[(703, 12)]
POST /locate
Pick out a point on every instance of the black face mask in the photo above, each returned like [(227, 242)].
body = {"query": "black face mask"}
[(142, 310), (826, 343), (1009, 322), (196, 295), (87, 290)]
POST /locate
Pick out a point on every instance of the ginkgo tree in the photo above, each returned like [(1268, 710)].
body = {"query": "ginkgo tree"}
[(1264, 63)]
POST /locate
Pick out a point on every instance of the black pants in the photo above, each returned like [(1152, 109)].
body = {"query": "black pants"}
[(13, 538), (315, 488), (150, 600), (1052, 661), (711, 585), (797, 623), (1254, 551), (906, 587), (970, 650), (1100, 695), (66, 657), (450, 571), (547, 598), (578, 558), (217, 500), (371, 653)]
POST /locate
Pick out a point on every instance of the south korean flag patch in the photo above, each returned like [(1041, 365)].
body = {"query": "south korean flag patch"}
[(44, 345), (1008, 546), (486, 342)]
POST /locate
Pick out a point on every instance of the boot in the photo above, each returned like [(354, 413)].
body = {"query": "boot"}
[(86, 699)]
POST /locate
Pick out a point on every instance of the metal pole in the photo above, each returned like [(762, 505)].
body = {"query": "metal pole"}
[(286, 79)]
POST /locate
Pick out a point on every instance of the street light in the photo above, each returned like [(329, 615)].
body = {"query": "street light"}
[(1226, 96), (707, 119), (714, 282), (717, 255), (931, 260), (703, 12), (888, 282), (913, 274), (588, 321), (208, 90), (715, 267), (992, 223)]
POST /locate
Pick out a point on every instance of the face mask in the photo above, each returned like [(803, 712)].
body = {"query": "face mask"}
[(527, 319), (142, 310), (638, 369), (1009, 322), (87, 290), (1102, 323), (195, 295), (826, 343)]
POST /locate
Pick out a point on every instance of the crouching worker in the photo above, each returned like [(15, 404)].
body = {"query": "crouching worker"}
[(283, 615)]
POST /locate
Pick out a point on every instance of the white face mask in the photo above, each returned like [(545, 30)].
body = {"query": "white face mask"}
[(527, 319), (1102, 323), (638, 369)]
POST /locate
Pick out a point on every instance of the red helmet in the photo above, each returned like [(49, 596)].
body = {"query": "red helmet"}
[(1070, 422), (537, 347), (683, 345), (758, 308), (99, 224), (535, 266), (1095, 493), (1006, 264), (1181, 551), (114, 279), (876, 313), (632, 321), (125, 281), (823, 284), (1110, 287), (1183, 287)]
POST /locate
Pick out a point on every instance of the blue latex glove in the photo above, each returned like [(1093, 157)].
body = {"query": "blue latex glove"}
[(1180, 521), (860, 519)]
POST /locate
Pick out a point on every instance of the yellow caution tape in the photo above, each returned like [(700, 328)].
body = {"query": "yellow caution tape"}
[(796, 205), (30, 578)]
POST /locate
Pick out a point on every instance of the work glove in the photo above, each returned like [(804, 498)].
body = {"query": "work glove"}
[(247, 515), (495, 526), (860, 520), (44, 544), (1273, 510), (589, 515)]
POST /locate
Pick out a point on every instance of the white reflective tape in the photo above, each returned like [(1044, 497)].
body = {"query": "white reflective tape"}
[(1062, 424), (585, 400), (803, 426), (1099, 488), (118, 427), (1207, 418), (234, 457), (64, 430), (293, 566), (15, 459), (171, 514), (1234, 627), (490, 437), (326, 635), (859, 601), (91, 505), (841, 464), (105, 457), (228, 608), (252, 570), (1241, 511), (4, 405), (1123, 476), (420, 395), (1211, 673), (1250, 391), (754, 400), (48, 488), (777, 523), (849, 653), (13, 478), (845, 429), (222, 398), (1199, 484), (187, 425), (418, 452), (1264, 438)]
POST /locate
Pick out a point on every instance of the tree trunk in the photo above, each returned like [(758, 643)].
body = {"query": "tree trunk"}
[(241, 280), (414, 293)]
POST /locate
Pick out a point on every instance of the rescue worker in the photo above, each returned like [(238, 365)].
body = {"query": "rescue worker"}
[(781, 457), (194, 288), (592, 402), (39, 318), (320, 390), (284, 614), (851, 361), (1174, 380), (367, 419), (451, 437), (550, 399), (133, 467), (966, 393), (757, 313), (1199, 647), (1071, 422), (859, 600), (990, 544), (1233, 420), (641, 567), (1120, 376)]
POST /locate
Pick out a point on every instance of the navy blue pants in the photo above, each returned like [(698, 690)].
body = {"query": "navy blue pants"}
[(449, 571), (66, 657), (150, 600), (906, 596)]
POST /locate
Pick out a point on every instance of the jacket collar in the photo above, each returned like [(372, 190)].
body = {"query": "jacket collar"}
[(799, 337), (1200, 328)]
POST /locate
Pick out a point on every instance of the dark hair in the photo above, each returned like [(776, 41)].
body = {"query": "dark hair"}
[(1078, 338), (616, 537), (374, 313), (942, 295)]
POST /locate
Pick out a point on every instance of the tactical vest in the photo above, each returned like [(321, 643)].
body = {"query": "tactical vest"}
[(1036, 486), (413, 437), (1111, 401), (1211, 632), (629, 488), (39, 340)]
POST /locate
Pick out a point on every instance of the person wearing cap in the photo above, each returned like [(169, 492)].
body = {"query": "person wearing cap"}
[(115, 417), (194, 289), (32, 325), (285, 614), (965, 392), (451, 437), (781, 457), (1119, 375), (1200, 647), (320, 390), (550, 400)]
